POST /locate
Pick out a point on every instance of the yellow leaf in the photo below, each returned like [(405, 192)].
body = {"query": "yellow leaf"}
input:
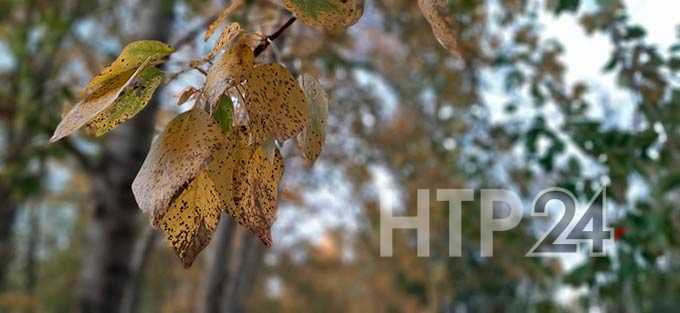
[(257, 175), (275, 103), (132, 57), (442, 28), (133, 99), (312, 138), (94, 104), (220, 170), (229, 70), (186, 181), (192, 218), (331, 15), (177, 156)]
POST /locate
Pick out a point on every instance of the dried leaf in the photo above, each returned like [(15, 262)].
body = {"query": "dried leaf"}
[(186, 181), (257, 175), (275, 103), (229, 70), (132, 57), (227, 38), (312, 138), (133, 99), (176, 157), (221, 171), (331, 15), (269, 171), (235, 5), (441, 25), (186, 95), (192, 218), (94, 104)]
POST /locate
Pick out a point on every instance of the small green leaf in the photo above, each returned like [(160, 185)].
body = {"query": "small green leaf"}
[(225, 113)]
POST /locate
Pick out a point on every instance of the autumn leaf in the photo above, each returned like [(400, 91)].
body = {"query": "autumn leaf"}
[(133, 99), (441, 25), (178, 182), (176, 157), (230, 69), (102, 91), (275, 103), (94, 104), (331, 15), (192, 218), (227, 38), (131, 58), (257, 174), (312, 138)]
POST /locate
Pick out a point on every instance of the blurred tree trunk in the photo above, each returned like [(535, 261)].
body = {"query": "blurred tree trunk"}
[(216, 275), (31, 271), (7, 217), (113, 228), (140, 259), (243, 278)]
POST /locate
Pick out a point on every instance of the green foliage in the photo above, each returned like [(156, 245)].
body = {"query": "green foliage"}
[(224, 114)]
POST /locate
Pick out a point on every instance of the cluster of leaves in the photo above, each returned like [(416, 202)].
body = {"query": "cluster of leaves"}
[(223, 154)]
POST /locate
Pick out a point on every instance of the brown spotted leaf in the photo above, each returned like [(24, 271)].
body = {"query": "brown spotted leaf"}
[(331, 15), (94, 104), (194, 215), (230, 69), (133, 99), (312, 138), (257, 175), (275, 103), (242, 208), (175, 158), (221, 168), (269, 171), (442, 28), (192, 218)]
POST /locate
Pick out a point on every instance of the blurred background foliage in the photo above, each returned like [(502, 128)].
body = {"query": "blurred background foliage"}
[(507, 112)]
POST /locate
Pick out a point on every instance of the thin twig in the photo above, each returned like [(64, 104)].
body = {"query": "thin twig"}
[(261, 47)]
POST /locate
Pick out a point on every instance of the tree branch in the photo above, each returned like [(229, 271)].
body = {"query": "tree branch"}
[(261, 47)]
